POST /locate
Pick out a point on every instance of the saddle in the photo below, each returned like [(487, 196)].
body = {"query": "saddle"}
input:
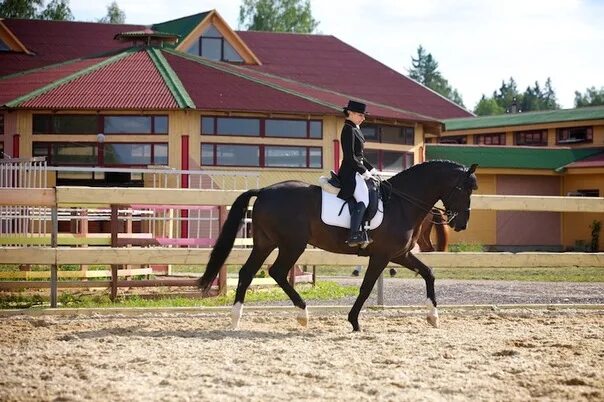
[(333, 185)]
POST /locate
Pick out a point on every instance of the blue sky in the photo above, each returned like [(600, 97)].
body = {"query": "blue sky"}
[(476, 43)]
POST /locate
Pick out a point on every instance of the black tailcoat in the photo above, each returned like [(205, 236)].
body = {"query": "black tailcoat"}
[(353, 161)]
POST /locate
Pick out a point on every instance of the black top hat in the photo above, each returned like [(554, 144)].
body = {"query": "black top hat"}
[(354, 106)]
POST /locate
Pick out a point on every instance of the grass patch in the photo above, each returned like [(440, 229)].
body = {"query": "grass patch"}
[(324, 290)]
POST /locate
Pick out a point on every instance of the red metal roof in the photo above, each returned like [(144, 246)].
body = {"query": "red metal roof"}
[(327, 62), (323, 69), (593, 161), (132, 82), (213, 89), (18, 85), (58, 41)]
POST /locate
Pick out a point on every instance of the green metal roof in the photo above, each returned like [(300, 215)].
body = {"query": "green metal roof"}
[(181, 26), (509, 157), (522, 119)]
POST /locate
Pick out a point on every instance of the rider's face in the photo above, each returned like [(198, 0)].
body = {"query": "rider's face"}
[(356, 118)]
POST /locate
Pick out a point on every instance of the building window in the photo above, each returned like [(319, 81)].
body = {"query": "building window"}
[(290, 156), (261, 156), (454, 139), (65, 124), (135, 125), (1, 124), (4, 47), (212, 45), (389, 161), (121, 154), (532, 137), (574, 135), (67, 153), (113, 154), (250, 127), (389, 134), (489, 139), (93, 124)]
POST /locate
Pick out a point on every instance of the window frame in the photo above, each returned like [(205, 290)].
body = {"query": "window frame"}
[(407, 133), (454, 139), (100, 124), (100, 152), (408, 159), (589, 135), (222, 41), (262, 127), (519, 135), (261, 155), (480, 139)]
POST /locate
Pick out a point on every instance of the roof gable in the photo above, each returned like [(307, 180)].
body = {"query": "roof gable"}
[(192, 27), (8, 39)]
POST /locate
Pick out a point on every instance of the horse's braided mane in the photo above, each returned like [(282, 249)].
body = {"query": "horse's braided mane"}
[(425, 165)]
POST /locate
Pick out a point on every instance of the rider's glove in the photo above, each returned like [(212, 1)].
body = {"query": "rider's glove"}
[(366, 175), (374, 172)]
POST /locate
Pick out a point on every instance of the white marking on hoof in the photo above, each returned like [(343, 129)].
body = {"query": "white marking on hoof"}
[(302, 316), (432, 314), (236, 314)]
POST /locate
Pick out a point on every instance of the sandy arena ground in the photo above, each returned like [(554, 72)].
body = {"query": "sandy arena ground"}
[(176, 356)]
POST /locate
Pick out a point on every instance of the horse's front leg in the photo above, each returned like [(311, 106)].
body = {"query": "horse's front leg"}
[(374, 270), (410, 261)]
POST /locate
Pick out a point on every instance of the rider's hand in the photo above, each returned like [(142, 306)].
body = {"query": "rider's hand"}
[(374, 172), (366, 175)]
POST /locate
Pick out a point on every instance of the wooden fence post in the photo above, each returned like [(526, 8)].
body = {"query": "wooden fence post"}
[(114, 225), (54, 274)]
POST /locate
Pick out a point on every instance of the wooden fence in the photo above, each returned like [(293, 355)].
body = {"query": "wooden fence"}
[(114, 197)]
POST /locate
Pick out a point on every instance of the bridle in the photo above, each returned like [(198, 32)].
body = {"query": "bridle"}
[(450, 214)]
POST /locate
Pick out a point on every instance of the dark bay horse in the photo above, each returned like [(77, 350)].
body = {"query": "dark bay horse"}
[(287, 216)]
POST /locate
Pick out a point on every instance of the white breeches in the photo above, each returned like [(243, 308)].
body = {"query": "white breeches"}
[(361, 192)]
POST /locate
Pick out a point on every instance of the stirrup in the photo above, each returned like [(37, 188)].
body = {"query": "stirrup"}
[(356, 239), (368, 240)]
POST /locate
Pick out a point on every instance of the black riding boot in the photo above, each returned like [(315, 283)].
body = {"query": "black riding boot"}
[(357, 235)]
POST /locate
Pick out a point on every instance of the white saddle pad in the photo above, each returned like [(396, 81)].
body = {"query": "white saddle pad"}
[(331, 206)]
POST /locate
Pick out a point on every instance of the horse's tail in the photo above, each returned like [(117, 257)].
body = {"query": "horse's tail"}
[(442, 232), (226, 239)]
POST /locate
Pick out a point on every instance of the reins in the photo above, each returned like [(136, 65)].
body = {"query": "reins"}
[(422, 205)]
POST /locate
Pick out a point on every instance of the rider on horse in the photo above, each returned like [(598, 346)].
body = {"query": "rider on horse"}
[(354, 172)]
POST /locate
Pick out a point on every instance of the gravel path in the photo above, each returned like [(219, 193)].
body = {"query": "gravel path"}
[(461, 292)]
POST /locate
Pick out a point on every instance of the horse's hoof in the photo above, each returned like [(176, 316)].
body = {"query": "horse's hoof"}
[(302, 317), (433, 320)]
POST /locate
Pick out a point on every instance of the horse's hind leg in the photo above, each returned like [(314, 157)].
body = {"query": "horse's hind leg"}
[(413, 263), (246, 275), (285, 260)]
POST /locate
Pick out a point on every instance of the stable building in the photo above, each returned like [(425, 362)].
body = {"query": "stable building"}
[(550, 153)]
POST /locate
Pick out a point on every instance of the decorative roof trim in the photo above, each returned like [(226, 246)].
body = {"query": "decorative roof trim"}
[(171, 79), (37, 92), (11, 40), (213, 18)]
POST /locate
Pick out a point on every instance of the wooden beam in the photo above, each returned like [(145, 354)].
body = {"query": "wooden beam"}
[(83, 196), (38, 197), (28, 255), (537, 203)]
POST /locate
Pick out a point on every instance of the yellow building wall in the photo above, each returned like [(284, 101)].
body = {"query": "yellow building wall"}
[(576, 225), (482, 226)]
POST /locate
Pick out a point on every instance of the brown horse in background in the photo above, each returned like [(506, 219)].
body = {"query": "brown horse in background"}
[(436, 220)]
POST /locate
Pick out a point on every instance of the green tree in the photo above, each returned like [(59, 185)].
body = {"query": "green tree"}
[(591, 97), (488, 107), (57, 10), (277, 16), (114, 14), (26, 9), (425, 71)]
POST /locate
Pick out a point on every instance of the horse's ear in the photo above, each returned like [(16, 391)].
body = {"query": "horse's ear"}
[(472, 168)]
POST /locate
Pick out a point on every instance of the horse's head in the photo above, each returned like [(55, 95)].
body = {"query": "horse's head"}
[(457, 200)]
